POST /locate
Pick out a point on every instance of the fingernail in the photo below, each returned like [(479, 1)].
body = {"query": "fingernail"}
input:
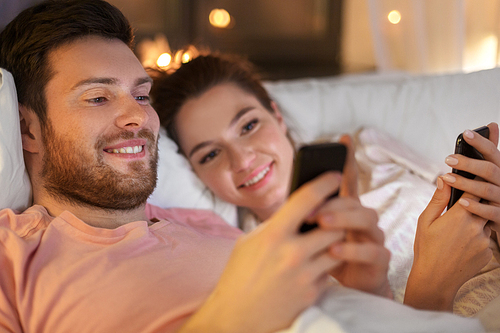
[(468, 134), (338, 175), (336, 249), (440, 183), (464, 202), (451, 160), (449, 178)]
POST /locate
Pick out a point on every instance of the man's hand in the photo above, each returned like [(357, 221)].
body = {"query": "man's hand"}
[(274, 273)]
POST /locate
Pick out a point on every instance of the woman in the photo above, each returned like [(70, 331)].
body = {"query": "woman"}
[(236, 140)]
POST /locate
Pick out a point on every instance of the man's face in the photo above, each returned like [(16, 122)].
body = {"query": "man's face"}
[(100, 141)]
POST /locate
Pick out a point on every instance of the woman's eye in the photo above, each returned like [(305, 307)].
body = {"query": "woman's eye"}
[(208, 157), (248, 127)]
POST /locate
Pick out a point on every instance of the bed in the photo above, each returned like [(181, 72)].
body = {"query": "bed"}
[(403, 125)]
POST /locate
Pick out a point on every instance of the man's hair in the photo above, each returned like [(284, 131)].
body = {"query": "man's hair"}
[(26, 42), (172, 90)]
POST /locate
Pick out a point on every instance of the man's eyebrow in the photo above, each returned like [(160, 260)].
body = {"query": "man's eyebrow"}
[(142, 80), (110, 81), (95, 80), (235, 119)]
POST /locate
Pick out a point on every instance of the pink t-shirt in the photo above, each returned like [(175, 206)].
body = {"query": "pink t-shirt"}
[(62, 275)]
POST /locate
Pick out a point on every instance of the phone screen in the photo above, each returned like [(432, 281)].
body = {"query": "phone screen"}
[(313, 160), (463, 148)]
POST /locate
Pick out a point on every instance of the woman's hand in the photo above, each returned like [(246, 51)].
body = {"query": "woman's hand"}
[(274, 273), (488, 186), (365, 260), (449, 250)]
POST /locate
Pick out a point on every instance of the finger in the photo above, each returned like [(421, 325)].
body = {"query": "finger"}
[(484, 210), (487, 147), (493, 133), (475, 187), (324, 263), (317, 241), (485, 169), (362, 220), (437, 204), (361, 253), (349, 185), (303, 201)]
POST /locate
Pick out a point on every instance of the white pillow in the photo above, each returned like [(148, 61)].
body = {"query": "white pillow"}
[(15, 186)]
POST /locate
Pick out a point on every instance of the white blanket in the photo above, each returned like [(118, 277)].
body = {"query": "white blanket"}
[(347, 310)]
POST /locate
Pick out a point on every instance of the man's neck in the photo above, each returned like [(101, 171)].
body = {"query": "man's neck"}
[(93, 216)]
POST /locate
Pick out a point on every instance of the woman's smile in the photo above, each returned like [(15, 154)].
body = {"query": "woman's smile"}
[(258, 178)]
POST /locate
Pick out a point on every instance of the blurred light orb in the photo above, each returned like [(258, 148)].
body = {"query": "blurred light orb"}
[(219, 18), (164, 60), (394, 17), (186, 57)]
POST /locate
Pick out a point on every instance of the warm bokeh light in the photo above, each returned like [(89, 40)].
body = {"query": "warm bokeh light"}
[(186, 57), (481, 55), (164, 60), (394, 17), (219, 18)]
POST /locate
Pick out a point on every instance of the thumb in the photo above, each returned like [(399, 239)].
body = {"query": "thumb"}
[(438, 203), (349, 186), (493, 133)]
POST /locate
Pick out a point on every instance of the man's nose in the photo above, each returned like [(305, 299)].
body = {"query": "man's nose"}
[(131, 114)]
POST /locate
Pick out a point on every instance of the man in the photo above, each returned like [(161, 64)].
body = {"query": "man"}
[(91, 255)]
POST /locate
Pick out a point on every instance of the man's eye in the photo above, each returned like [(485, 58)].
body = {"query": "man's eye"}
[(97, 100), (142, 98), (208, 157), (248, 127)]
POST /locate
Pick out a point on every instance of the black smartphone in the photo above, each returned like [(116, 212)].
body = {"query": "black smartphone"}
[(463, 148), (313, 160)]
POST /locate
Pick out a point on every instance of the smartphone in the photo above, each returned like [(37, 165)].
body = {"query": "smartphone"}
[(463, 148), (313, 160)]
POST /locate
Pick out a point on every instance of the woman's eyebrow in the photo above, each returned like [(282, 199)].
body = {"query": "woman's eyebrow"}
[(235, 119), (198, 147), (240, 114)]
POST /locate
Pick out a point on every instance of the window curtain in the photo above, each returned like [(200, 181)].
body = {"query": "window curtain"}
[(436, 36)]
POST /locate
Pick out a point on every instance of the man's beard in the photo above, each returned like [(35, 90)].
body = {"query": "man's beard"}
[(79, 177)]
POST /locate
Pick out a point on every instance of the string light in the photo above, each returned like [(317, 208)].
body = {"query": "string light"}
[(164, 60)]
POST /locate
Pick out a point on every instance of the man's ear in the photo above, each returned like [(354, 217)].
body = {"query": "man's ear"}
[(31, 135), (279, 116)]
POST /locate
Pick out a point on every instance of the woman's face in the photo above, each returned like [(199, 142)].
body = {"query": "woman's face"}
[(237, 147)]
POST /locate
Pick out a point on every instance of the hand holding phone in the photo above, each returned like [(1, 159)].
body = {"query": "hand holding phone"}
[(313, 160), (463, 148)]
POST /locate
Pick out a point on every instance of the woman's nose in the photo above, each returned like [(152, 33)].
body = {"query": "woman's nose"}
[(241, 158)]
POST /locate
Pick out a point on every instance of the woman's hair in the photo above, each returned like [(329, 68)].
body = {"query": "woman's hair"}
[(27, 41), (172, 90)]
